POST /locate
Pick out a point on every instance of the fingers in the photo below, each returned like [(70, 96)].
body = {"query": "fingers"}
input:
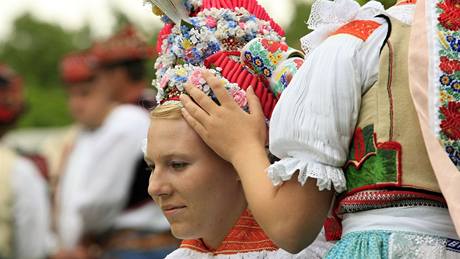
[(255, 107), (193, 110), (196, 125), (204, 101), (218, 88)]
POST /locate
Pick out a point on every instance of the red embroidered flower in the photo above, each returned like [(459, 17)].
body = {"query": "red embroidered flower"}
[(449, 66), (451, 124), (274, 46), (450, 17)]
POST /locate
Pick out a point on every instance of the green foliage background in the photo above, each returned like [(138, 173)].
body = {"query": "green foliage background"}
[(35, 49)]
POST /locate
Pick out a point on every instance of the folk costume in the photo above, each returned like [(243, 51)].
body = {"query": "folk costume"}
[(355, 129), (102, 196), (239, 43), (24, 208)]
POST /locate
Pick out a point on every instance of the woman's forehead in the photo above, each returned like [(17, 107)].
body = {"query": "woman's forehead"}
[(171, 135)]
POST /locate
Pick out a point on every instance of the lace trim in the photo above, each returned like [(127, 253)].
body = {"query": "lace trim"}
[(327, 16), (315, 251), (284, 169)]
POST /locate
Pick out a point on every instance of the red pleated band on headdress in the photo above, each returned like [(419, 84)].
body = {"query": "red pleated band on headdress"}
[(239, 74), (162, 35), (251, 5)]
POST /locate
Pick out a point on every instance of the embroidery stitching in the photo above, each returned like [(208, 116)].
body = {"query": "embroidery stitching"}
[(359, 28), (448, 108), (379, 165)]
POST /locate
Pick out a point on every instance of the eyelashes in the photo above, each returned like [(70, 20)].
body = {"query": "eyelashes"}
[(174, 165)]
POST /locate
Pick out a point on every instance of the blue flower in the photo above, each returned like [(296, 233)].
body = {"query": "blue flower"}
[(455, 45), (445, 80), (252, 18), (284, 81), (449, 38), (181, 79), (248, 56), (232, 24), (455, 158), (166, 19), (455, 85), (450, 150), (259, 62), (267, 72)]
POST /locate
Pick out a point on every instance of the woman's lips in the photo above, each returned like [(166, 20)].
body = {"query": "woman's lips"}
[(172, 210)]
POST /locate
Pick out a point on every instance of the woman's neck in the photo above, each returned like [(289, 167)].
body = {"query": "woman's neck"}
[(218, 234)]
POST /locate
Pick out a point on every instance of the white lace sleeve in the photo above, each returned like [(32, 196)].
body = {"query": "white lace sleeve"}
[(314, 120)]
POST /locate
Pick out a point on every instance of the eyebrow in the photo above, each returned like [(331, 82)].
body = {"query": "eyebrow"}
[(166, 156)]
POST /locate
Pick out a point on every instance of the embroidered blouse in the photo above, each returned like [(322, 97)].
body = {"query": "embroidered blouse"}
[(246, 240), (322, 103)]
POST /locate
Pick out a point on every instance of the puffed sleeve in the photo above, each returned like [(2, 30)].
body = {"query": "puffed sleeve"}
[(313, 122)]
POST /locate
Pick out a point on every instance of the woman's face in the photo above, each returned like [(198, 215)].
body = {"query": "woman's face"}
[(197, 190), (89, 102)]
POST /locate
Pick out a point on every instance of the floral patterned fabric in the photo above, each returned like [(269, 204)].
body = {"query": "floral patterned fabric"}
[(448, 70), (386, 244)]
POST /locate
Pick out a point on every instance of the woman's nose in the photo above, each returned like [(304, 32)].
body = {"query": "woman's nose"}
[(159, 184)]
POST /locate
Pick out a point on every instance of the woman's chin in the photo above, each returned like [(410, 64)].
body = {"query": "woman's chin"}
[(181, 231)]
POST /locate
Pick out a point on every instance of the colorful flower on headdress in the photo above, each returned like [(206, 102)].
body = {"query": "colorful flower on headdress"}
[(171, 85), (213, 30)]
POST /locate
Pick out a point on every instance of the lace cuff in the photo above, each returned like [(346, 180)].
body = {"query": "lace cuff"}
[(284, 169)]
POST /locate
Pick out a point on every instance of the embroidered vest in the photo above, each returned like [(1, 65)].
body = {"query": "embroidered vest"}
[(388, 164), (7, 159)]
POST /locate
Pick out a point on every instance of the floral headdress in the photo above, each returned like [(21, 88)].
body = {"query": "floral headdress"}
[(213, 35)]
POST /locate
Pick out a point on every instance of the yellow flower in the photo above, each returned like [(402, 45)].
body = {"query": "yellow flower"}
[(274, 59), (445, 97), (181, 71), (186, 44)]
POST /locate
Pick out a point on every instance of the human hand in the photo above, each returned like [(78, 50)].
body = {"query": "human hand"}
[(227, 129)]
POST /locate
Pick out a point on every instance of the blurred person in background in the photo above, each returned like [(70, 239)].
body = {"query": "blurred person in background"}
[(103, 209), (24, 207), (122, 60)]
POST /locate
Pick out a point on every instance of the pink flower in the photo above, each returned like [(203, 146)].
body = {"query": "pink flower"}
[(164, 81), (211, 22), (196, 78), (242, 25), (239, 96)]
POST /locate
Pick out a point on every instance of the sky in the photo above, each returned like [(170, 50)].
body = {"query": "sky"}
[(74, 14)]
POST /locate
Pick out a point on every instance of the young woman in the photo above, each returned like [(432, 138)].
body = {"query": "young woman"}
[(202, 197), (347, 122)]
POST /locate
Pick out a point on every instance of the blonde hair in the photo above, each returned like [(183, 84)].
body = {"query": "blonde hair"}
[(167, 111)]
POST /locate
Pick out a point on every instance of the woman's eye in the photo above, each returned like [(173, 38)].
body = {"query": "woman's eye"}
[(178, 165)]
